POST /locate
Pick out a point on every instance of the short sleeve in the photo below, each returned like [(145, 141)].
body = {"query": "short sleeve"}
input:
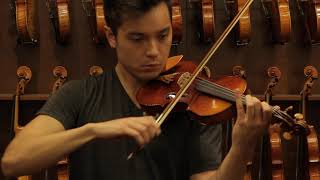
[(65, 104), (204, 147)]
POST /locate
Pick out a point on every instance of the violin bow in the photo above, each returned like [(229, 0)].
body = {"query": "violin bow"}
[(161, 118)]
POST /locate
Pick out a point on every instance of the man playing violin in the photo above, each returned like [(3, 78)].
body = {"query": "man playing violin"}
[(97, 122)]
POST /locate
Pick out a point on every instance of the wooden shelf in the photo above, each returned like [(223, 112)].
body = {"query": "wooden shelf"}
[(26, 97), (281, 97)]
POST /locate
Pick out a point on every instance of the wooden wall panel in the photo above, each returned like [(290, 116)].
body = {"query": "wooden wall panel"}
[(80, 53)]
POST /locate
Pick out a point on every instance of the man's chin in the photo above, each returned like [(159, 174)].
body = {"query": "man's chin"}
[(148, 76)]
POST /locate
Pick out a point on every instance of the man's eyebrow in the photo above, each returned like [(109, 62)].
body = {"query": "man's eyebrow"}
[(133, 33), (166, 29)]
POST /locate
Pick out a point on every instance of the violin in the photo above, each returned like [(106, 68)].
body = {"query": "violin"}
[(176, 22), (24, 74), (95, 70), (208, 20), (60, 18), (275, 145), (61, 74), (26, 22), (271, 161), (200, 97), (280, 19), (95, 12), (308, 145)]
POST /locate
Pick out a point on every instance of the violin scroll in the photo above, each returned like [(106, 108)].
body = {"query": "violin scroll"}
[(61, 74), (95, 70), (24, 74)]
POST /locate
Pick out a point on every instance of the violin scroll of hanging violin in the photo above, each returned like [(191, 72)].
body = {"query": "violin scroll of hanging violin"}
[(61, 74), (176, 22), (95, 70), (274, 74)]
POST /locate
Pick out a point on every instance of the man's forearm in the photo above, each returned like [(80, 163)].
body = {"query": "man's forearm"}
[(233, 166), (28, 157)]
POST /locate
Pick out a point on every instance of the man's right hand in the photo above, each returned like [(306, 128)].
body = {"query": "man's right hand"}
[(142, 129)]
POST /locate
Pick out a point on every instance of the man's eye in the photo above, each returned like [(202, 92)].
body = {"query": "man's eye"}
[(163, 36), (137, 38)]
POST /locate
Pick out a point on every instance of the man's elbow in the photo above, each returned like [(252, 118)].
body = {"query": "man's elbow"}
[(9, 164)]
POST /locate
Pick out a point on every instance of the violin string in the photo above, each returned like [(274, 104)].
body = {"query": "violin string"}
[(218, 90)]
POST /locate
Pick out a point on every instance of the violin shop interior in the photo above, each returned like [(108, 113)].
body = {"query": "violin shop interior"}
[(274, 47)]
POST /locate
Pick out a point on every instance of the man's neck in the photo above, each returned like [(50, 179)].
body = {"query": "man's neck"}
[(130, 83)]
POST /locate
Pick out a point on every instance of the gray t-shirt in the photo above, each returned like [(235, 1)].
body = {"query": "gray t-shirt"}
[(185, 147)]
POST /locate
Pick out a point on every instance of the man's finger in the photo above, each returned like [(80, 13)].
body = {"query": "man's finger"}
[(239, 104)]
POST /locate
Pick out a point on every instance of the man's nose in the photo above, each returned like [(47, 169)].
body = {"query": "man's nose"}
[(152, 49)]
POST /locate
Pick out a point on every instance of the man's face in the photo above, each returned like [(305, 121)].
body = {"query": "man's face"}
[(143, 44)]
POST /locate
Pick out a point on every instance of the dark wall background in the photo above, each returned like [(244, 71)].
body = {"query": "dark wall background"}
[(81, 53)]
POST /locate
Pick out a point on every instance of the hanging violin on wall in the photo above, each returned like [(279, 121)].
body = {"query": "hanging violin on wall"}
[(95, 11), (26, 21), (270, 164), (243, 28), (207, 20), (309, 10), (308, 164), (60, 73), (24, 74), (176, 22), (279, 13), (60, 18)]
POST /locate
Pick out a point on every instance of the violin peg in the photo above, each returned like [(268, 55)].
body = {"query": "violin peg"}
[(298, 116), (287, 135), (288, 109)]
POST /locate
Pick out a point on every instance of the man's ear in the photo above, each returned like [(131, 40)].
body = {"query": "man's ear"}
[(110, 36)]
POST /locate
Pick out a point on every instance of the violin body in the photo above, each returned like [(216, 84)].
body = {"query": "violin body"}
[(281, 20), (100, 22), (313, 153), (277, 169), (176, 22), (63, 20), (208, 20), (26, 22), (209, 110), (243, 27), (311, 14)]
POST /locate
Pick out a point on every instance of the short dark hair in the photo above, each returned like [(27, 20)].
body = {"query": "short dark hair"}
[(116, 11)]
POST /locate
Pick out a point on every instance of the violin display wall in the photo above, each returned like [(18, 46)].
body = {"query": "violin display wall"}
[(80, 53)]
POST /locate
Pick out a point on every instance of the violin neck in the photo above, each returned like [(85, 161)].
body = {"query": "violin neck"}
[(217, 90)]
